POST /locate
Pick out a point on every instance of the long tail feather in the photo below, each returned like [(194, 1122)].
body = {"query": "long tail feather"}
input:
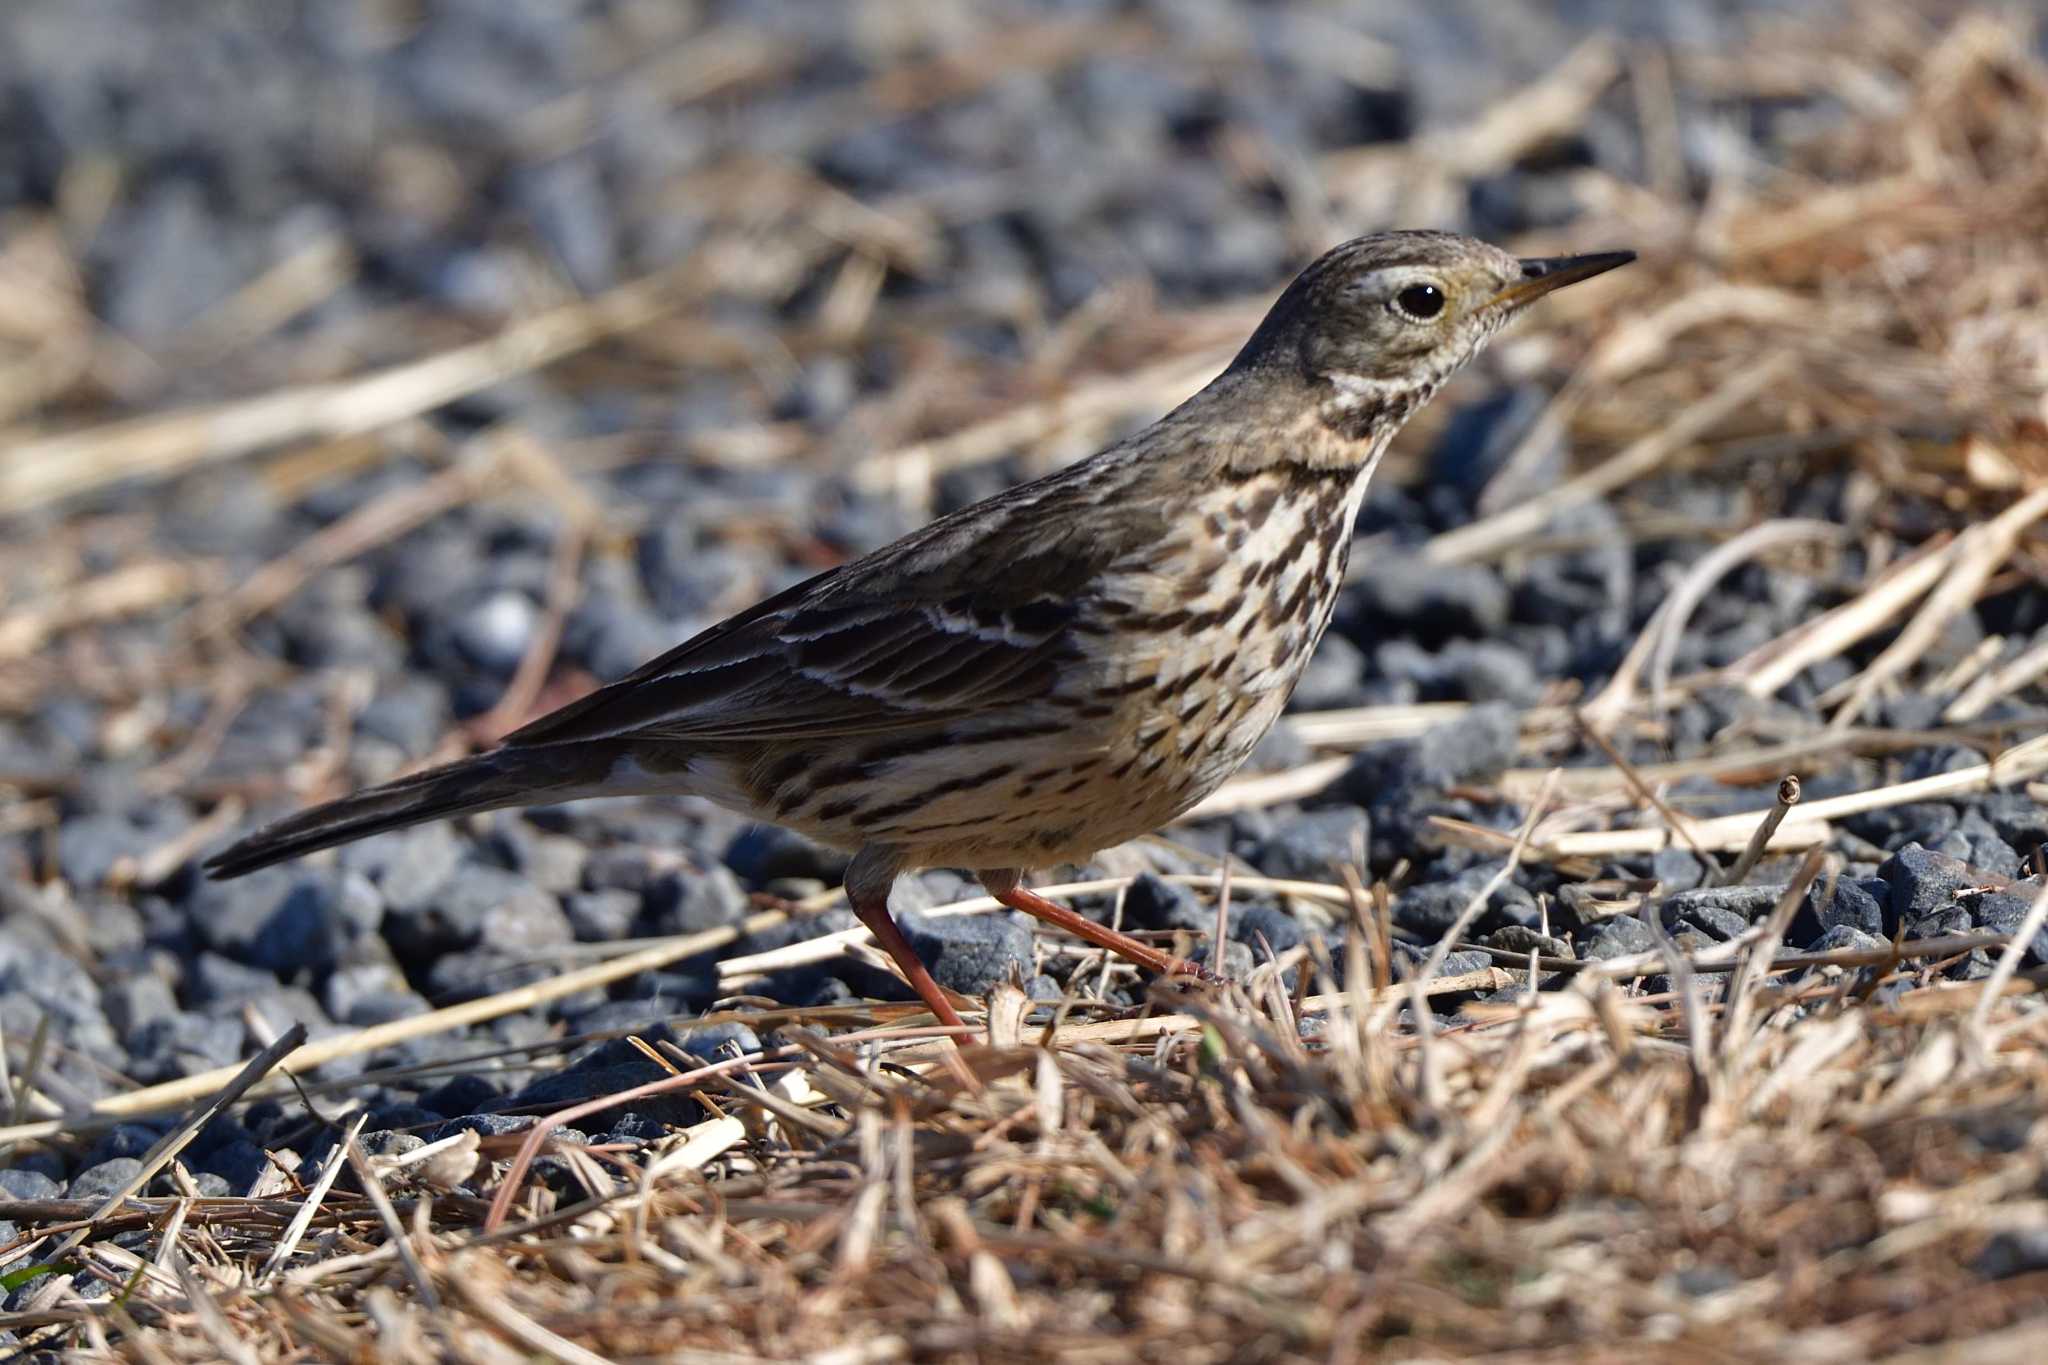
[(503, 777)]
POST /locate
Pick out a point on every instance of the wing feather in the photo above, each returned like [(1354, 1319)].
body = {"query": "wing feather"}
[(973, 611)]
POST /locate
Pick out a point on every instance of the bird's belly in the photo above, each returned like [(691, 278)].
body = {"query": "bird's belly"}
[(1053, 787), (1027, 788)]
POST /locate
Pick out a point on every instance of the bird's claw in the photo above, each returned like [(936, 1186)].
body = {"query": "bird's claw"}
[(1189, 967)]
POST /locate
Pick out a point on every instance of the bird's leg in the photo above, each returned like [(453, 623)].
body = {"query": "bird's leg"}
[(1006, 887), (868, 880)]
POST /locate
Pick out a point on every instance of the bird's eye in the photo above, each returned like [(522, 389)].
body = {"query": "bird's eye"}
[(1420, 301)]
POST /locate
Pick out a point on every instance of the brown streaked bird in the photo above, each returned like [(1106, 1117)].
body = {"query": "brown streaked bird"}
[(1059, 668)]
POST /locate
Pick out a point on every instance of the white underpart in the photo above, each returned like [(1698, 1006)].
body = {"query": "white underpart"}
[(1355, 391)]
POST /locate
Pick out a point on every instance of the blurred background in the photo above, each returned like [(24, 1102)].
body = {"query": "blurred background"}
[(375, 374)]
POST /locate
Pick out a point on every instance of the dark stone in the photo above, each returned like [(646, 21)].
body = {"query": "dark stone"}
[(1976, 842), (637, 1128), (1853, 903), (636, 1015), (276, 918), (1975, 965), (1841, 937), (1942, 923), (601, 916), (480, 905), (624, 868), (1281, 749), (408, 714), (1460, 962), (485, 1125), (215, 1133), (1676, 869), (305, 933), (215, 981), (1623, 936), (460, 1095), (692, 900), (1431, 909), (100, 1180), (16, 1183), (347, 986), (176, 1045), (1477, 745), (2019, 819), (1434, 601), (1267, 930), (676, 991), (551, 862), (1479, 437), (1484, 671), (610, 1067), (2013, 1251), (611, 637), (403, 1115), (717, 1042), (137, 999), (38, 983), (1312, 845), (1714, 921), (2000, 912), (1932, 762), (384, 1007), (240, 1163), (90, 846), (800, 929), (1519, 938), (1331, 677), (1923, 882), (123, 1139), (388, 1141), (119, 931), (474, 972), (761, 853), (408, 866), (1152, 902), (277, 1007), (1746, 902), (1698, 1281), (1400, 783), (1895, 826), (972, 954)]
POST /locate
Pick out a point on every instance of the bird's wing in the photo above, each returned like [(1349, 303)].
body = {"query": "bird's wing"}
[(976, 611)]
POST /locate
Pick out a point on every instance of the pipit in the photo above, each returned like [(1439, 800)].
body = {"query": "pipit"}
[(1054, 670)]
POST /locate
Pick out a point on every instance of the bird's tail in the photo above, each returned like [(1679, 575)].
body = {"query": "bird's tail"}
[(491, 781)]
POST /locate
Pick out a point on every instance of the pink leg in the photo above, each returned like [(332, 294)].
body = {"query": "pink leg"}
[(882, 925), (1005, 888), (868, 880)]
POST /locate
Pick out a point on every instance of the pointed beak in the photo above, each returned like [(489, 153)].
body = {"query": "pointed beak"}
[(1542, 274)]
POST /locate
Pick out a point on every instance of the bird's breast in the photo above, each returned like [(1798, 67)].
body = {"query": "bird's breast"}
[(1212, 635)]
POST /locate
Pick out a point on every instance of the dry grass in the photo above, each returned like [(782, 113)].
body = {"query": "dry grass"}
[(1774, 1158), (1819, 1181)]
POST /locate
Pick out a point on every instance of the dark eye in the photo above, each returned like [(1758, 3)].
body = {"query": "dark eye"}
[(1420, 300)]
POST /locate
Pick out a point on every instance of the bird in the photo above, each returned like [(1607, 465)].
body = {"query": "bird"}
[(1068, 664)]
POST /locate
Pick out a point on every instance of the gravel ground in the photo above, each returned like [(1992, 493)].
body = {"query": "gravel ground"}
[(908, 239)]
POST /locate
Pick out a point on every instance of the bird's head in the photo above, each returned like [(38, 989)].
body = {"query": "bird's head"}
[(1376, 325)]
